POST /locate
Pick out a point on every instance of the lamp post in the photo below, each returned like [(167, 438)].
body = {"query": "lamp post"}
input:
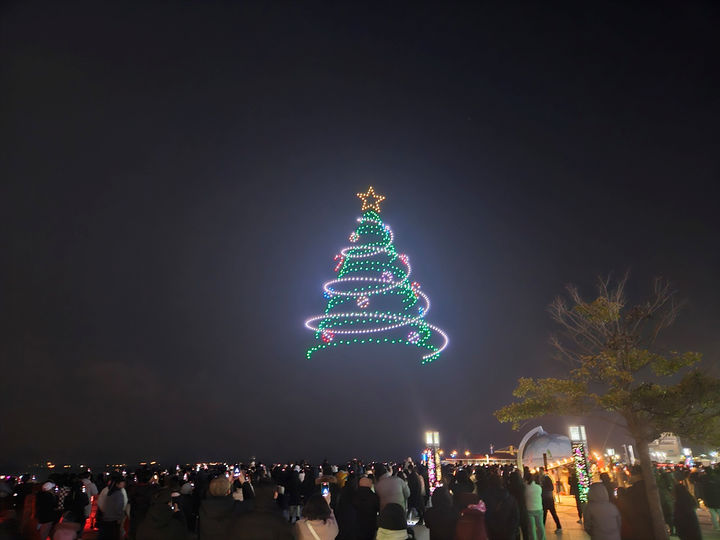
[(578, 441), (432, 443)]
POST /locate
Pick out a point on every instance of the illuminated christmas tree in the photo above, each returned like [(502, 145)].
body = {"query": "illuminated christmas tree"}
[(372, 300)]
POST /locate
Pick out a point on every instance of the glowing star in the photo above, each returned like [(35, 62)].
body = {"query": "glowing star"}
[(372, 272), (371, 200)]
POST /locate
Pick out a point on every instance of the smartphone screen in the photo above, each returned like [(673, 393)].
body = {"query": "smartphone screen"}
[(325, 489)]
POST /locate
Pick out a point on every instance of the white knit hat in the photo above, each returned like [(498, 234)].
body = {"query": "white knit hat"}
[(48, 486)]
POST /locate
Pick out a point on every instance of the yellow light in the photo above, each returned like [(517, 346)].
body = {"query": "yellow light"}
[(467, 452), (375, 204)]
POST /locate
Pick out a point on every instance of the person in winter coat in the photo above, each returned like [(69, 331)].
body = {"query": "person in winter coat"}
[(162, 521), (416, 500), (461, 483), (293, 490), (188, 506), (392, 523), (516, 488), (471, 523), (216, 511), (601, 518), (634, 509), (140, 497), (575, 492), (711, 494), (686, 520), (666, 489), (307, 484), (502, 515), (548, 499), (112, 501), (533, 503), (318, 521), (367, 505), (75, 503), (345, 511), (390, 489), (441, 518), (46, 509), (264, 522)]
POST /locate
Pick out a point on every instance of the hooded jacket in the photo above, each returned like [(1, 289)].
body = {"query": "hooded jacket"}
[(601, 517)]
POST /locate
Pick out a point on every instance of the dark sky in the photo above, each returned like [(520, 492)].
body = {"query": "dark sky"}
[(177, 177)]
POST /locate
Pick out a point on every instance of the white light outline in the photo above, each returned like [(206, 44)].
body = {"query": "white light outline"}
[(404, 320)]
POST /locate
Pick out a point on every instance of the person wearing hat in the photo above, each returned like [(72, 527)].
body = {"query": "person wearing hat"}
[(46, 508), (392, 524)]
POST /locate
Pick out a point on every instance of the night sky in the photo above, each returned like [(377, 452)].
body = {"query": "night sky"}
[(177, 177)]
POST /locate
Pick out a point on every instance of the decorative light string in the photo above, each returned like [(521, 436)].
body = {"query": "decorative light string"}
[(581, 469), (366, 271)]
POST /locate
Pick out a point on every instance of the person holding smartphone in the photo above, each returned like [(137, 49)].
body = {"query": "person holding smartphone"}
[(318, 521), (163, 520)]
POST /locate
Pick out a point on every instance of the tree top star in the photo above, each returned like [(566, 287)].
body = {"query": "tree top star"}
[(371, 200)]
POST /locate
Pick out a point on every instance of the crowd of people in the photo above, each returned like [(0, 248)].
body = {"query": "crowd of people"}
[(354, 501)]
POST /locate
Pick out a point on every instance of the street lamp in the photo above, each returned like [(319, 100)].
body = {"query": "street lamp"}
[(432, 438)]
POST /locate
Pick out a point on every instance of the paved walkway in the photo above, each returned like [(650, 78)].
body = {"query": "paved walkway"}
[(572, 530)]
